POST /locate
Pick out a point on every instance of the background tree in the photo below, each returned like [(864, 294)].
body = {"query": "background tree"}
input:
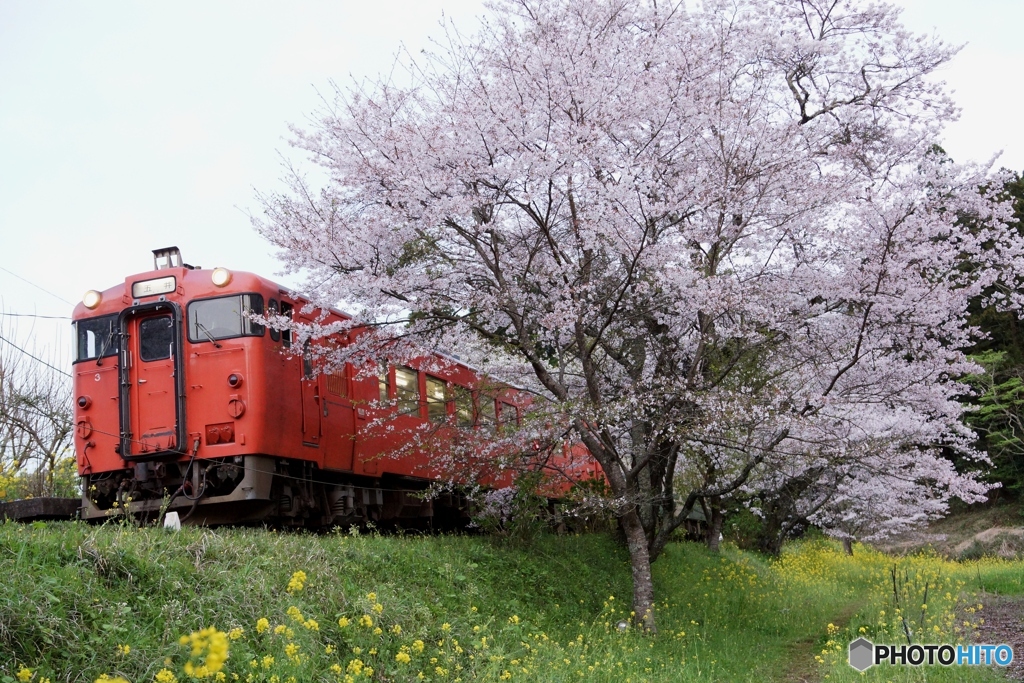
[(712, 239), (36, 425)]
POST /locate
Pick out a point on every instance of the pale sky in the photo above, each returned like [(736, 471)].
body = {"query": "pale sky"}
[(128, 126)]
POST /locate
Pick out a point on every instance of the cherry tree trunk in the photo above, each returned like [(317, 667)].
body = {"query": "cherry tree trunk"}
[(714, 534), (640, 560), (848, 546)]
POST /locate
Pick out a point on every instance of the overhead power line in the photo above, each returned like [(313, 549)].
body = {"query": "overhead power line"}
[(42, 289), (33, 315), (35, 358)]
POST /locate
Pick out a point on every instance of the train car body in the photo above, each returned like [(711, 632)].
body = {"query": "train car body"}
[(184, 402)]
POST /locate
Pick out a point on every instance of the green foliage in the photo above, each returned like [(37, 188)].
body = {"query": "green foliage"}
[(998, 417)]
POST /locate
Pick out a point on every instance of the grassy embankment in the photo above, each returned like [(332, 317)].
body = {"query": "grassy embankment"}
[(79, 602)]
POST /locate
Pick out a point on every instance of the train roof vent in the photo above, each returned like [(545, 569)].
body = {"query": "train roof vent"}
[(168, 257)]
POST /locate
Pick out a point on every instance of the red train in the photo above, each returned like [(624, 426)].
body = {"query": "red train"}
[(185, 402)]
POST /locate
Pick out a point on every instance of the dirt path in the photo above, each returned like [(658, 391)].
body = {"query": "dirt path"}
[(1004, 623), (802, 666)]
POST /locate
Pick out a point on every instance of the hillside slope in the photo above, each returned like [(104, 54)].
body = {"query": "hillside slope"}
[(78, 602)]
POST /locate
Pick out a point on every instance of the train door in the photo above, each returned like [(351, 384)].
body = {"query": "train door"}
[(311, 401), (339, 421), (151, 408)]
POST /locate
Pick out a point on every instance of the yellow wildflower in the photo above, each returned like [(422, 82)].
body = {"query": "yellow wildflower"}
[(297, 582), (343, 622), (24, 674), (165, 676), (262, 625), (236, 633)]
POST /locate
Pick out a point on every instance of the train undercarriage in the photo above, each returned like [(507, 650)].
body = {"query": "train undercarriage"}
[(255, 490)]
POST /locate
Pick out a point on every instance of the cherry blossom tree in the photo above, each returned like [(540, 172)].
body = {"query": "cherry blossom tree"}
[(714, 239)]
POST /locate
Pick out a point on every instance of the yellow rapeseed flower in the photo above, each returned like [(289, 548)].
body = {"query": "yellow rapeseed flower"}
[(262, 625), (123, 649), (165, 676), (297, 582), (343, 622), (403, 658), (24, 674), (236, 633)]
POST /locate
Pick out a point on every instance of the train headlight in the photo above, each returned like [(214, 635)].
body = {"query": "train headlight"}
[(221, 276), (92, 299)]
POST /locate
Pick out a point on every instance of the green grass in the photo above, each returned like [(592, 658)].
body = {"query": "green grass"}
[(71, 594)]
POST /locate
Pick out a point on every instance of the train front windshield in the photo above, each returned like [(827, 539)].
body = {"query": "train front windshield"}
[(96, 338)]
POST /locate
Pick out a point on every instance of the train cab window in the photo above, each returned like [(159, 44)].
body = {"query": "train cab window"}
[(272, 309), (286, 335), (224, 317), (463, 407), (487, 412), (96, 338), (437, 399), (156, 338), (407, 391), (507, 415)]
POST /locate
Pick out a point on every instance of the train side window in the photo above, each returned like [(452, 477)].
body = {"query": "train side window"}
[(384, 386), (286, 335), (96, 338), (156, 338), (307, 361), (463, 407), (407, 391), (273, 309), (487, 412), (437, 399), (224, 317), (507, 415)]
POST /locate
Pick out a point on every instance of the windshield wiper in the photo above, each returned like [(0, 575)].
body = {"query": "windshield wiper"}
[(104, 346), (202, 328)]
